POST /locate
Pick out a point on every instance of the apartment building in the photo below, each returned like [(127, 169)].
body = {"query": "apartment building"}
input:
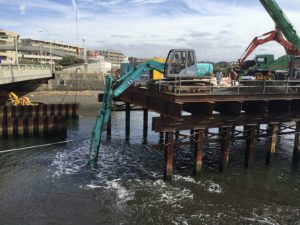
[(47, 51), (115, 57), (8, 42), (34, 50)]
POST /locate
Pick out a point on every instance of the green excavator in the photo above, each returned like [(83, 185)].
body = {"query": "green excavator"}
[(180, 63)]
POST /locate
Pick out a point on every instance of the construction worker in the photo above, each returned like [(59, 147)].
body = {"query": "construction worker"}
[(233, 76), (219, 76)]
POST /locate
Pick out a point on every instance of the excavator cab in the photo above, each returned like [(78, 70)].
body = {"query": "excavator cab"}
[(294, 71), (181, 63)]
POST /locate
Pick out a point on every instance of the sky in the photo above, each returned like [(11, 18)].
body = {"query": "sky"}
[(218, 30)]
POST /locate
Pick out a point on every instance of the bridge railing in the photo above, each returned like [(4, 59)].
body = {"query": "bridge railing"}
[(10, 73)]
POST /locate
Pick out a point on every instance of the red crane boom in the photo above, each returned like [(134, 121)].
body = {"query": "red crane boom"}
[(274, 35)]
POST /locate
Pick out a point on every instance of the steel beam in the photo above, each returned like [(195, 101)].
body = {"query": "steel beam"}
[(250, 134), (224, 154), (272, 136), (145, 127), (169, 156), (228, 108), (297, 143), (201, 108), (255, 107), (127, 125), (195, 122), (279, 106), (158, 105), (198, 152)]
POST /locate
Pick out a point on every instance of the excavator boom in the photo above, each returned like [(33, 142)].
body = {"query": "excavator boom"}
[(270, 36), (113, 90)]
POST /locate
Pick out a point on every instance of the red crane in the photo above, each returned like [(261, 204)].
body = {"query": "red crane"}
[(274, 35)]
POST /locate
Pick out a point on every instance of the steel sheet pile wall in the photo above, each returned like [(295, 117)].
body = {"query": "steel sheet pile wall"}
[(40, 120)]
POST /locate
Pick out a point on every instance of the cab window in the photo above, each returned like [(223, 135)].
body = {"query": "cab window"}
[(178, 62), (191, 59)]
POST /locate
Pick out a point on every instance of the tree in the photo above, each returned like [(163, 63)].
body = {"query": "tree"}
[(69, 60)]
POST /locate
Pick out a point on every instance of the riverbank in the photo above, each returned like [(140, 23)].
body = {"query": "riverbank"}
[(86, 99)]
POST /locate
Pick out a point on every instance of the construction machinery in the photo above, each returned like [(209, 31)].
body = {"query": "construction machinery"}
[(294, 70), (180, 63), (265, 66), (14, 100)]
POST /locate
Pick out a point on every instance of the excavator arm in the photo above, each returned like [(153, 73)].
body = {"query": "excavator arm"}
[(267, 37), (111, 90)]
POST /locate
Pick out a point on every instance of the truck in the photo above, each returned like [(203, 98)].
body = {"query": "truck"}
[(266, 66)]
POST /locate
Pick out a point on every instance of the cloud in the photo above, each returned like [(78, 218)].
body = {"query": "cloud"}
[(146, 1), (22, 9), (108, 3), (217, 30)]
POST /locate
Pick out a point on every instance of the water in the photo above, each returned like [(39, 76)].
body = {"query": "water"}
[(52, 185)]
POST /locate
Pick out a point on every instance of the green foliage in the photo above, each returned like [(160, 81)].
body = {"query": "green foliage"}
[(27, 61), (70, 60)]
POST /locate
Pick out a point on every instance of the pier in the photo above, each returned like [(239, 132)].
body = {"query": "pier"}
[(260, 109)]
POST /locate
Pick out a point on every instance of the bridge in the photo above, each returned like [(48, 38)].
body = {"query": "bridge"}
[(23, 72)]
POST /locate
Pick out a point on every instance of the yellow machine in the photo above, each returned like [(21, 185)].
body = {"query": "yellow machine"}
[(15, 100), (155, 75)]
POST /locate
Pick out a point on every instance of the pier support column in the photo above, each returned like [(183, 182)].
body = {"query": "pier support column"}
[(297, 143), (272, 136), (108, 131), (177, 135), (161, 134), (169, 156), (145, 127), (127, 127), (198, 152), (224, 156), (250, 133)]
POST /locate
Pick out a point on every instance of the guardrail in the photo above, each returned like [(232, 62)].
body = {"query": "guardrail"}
[(208, 86)]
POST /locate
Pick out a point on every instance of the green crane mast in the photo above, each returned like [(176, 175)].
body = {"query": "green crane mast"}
[(281, 21)]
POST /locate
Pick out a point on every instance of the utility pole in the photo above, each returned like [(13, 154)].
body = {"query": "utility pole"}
[(84, 51)]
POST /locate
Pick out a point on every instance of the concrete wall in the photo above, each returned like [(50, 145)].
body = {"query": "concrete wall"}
[(92, 67), (16, 73)]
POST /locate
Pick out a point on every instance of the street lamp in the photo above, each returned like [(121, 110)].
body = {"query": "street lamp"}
[(84, 52), (50, 47)]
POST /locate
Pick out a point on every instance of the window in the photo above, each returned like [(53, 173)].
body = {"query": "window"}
[(178, 62), (261, 60), (191, 59)]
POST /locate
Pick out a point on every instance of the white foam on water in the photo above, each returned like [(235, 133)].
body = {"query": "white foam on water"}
[(175, 195), (70, 161), (212, 187), (208, 185), (123, 194), (186, 179), (261, 219)]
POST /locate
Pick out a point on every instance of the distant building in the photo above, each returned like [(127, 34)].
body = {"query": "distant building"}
[(8, 38), (34, 50), (135, 60), (115, 57), (39, 50)]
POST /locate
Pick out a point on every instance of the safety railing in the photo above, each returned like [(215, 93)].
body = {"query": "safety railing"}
[(209, 87)]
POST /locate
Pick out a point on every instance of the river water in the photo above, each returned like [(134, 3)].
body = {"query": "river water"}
[(52, 185)]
